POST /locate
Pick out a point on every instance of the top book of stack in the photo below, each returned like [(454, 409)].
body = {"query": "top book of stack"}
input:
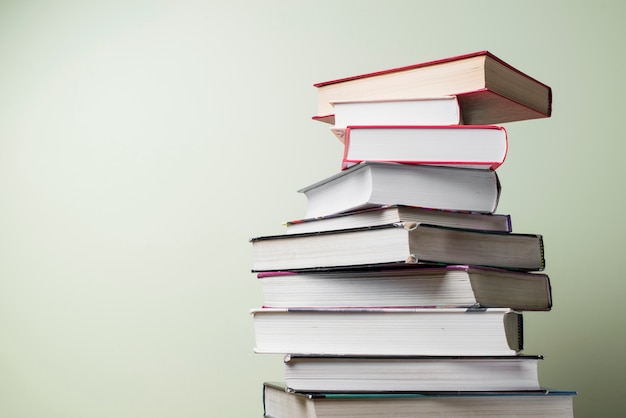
[(489, 90)]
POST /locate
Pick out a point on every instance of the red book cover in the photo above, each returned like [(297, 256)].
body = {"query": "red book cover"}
[(425, 64), (461, 145), (497, 100)]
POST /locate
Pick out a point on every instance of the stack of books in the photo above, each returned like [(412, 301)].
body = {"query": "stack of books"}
[(401, 291)]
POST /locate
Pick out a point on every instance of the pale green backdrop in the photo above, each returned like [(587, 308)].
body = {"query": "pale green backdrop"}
[(142, 143)]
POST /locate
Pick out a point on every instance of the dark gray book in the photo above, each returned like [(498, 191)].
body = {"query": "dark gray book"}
[(279, 402), (425, 286), (398, 243), (382, 215)]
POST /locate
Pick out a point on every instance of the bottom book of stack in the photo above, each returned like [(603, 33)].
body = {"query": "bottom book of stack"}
[(281, 402)]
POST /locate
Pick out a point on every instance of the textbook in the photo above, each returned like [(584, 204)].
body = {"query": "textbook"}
[(468, 146), (411, 373), (279, 402), (388, 331), (371, 184), (489, 90), (380, 215), (427, 286), (398, 243)]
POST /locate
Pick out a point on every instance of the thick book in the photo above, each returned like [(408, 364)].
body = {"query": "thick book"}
[(489, 90), (443, 110), (388, 331), (398, 243), (387, 214), (279, 402), (371, 184), (432, 286), (411, 373), (467, 146)]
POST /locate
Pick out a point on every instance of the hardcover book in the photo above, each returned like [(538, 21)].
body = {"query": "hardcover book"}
[(411, 373), (467, 146), (388, 331), (401, 243), (489, 90), (428, 286), (381, 215), (279, 402), (372, 184), (443, 110)]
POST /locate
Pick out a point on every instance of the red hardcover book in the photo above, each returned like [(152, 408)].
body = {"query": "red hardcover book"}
[(489, 90), (468, 146)]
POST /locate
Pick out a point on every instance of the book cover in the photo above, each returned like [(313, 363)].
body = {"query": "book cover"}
[(381, 215), (398, 244), (489, 90), (467, 146), (280, 402), (409, 286), (371, 184)]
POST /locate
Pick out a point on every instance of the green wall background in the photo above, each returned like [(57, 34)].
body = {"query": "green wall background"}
[(142, 143)]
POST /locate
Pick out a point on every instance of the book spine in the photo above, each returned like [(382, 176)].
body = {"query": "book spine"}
[(541, 253), (514, 326)]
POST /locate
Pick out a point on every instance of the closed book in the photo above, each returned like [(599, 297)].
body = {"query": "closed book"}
[(388, 331), (428, 286), (372, 184), (489, 90), (411, 373), (280, 402), (443, 110), (398, 243), (467, 146), (381, 215)]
